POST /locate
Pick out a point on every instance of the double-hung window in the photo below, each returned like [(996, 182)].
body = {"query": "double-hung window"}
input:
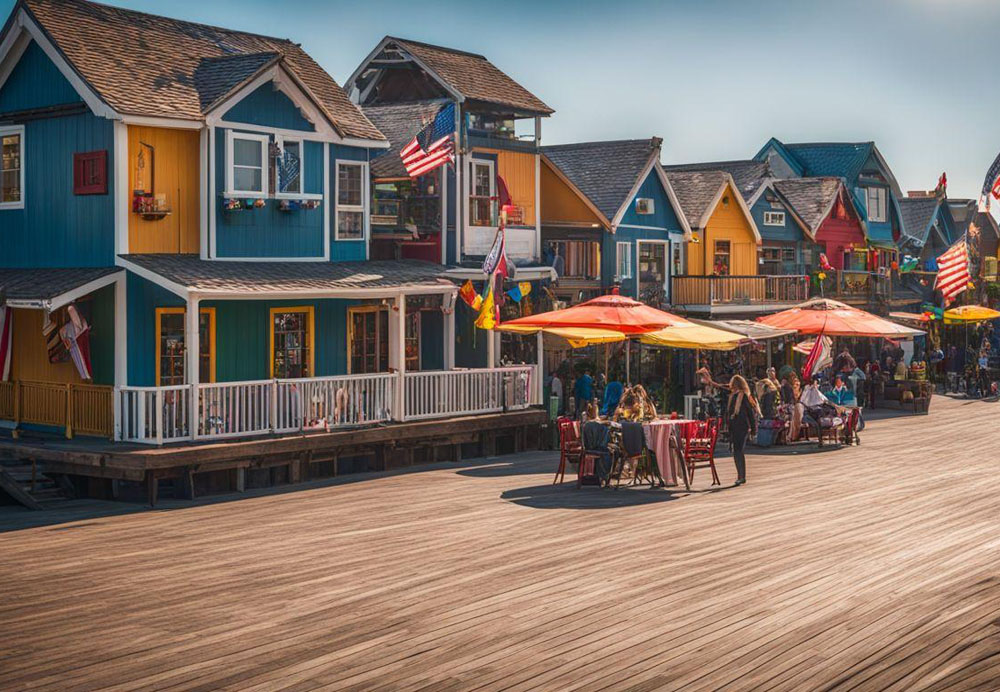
[(12, 167), (247, 174), (352, 198), (877, 199), (482, 193), (288, 166), (624, 261)]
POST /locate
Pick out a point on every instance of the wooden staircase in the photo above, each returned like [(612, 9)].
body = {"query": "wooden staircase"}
[(27, 484)]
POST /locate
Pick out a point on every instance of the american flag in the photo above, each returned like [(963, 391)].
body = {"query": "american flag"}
[(953, 271), (991, 186), (433, 146)]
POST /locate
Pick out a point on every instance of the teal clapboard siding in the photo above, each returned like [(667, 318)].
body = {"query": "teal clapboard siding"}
[(270, 107), (57, 228), (143, 299), (102, 335), (470, 342), (343, 250), (35, 82), (431, 340), (663, 216), (789, 232), (270, 232)]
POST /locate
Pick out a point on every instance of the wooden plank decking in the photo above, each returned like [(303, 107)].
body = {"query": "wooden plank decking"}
[(875, 567)]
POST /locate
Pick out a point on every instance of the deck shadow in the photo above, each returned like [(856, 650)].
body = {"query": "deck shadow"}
[(567, 496)]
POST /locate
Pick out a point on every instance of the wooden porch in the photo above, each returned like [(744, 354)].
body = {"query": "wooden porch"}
[(870, 567), (737, 294)]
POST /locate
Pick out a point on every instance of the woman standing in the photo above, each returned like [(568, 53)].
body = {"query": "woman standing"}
[(742, 412)]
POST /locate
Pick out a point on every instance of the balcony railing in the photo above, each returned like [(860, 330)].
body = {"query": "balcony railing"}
[(738, 290), (80, 409), (842, 284), (157, 415)]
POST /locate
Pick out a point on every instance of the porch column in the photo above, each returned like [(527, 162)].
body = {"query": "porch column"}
[(397, 356), (538, 189), (539, 393), (491, 349), (121, 349), (192, 351), (449, 332)]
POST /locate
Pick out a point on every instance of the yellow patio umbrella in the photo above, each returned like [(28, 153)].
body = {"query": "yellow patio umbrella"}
[(694, 336), (578, 337), (969, 313)]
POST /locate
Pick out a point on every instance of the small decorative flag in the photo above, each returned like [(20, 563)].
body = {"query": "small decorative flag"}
[(953, 271), (942, 187), (487, 312), (469, 295), (820, 356), (496, 260)]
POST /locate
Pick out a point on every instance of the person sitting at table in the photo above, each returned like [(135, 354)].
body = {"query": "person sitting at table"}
[(742, 413), (841, 394)]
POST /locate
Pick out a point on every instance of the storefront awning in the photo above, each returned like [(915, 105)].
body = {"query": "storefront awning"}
[(187, 275), (49, 289)]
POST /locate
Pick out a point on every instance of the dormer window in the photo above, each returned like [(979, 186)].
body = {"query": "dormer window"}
[(877, 200), (247, 174)]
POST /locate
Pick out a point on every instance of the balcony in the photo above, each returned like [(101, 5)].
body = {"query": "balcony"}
[(158, 415), (738, 294), (856, 287)]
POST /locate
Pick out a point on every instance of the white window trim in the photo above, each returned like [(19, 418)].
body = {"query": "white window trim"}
[(667, 260), (618, 260), (882, 194), (16, 130), (647, 200), (770, 218), (471, 181), (280, 140), (363, 207), (264, 141)]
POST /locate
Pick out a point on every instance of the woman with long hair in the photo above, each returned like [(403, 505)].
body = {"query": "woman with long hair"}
[(742, 412)]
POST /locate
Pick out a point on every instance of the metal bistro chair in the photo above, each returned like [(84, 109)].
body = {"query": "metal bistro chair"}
[(570, 448), (699, 449)]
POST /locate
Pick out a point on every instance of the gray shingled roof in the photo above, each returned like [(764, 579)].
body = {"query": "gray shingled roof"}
[(45, 284), (810, 198), (748, 174), (474, 76), (206, 276), (215, 77), (144, 64), (695, 191), (918, 213), (399, 123), (605, 172)]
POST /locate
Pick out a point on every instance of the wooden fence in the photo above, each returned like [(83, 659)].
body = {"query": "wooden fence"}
[(80, 409)]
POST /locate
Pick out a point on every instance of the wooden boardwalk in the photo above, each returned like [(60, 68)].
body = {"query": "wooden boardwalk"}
[(876, 567)]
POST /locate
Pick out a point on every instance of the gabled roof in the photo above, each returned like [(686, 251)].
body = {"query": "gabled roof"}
[(748, 175), (841, 159), (399, 123), (966, 211), (699, 192), (809, 199), (145, 65), (605, 172), (468, 76), (918, 216)]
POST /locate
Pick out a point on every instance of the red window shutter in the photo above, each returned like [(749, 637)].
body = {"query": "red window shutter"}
[(90, 173)]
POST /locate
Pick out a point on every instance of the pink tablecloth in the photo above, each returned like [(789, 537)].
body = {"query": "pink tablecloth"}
[(658, 433)]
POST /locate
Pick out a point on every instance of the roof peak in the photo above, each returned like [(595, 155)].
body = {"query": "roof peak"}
[(435, 46)]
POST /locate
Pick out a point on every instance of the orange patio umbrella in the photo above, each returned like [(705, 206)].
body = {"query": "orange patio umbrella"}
[(613, 312), (829, 317)]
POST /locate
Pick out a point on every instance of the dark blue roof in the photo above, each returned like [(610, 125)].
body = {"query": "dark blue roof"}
[(838, 159)]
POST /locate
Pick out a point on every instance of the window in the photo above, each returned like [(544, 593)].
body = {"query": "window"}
[(581, 259), (352, 185), (90, 173), (774, 218), (644, 205), (12, 167), (288, 167), (292, 345), (170, 368), (624, 261), (877, 199), (482, 190), (247, 174), (368, 339), (721, 258)]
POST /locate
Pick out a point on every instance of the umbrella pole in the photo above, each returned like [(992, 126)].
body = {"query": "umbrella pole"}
[(605, 362), (628, 352)]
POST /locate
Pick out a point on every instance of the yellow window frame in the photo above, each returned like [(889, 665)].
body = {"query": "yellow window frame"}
[(211, 337), (310, 313), (351, 311)]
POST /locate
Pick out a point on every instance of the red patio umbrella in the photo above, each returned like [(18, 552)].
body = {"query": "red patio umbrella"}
[(829, 317)]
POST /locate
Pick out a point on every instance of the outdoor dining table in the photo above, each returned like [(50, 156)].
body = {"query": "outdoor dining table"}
[(669, 458)]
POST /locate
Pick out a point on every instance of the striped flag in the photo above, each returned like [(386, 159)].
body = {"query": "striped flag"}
[(953, 271), (820, 355), (433, 146)]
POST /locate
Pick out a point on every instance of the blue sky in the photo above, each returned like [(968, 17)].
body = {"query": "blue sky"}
[(714, 78)]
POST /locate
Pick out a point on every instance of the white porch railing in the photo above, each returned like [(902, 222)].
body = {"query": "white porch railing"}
[(466, 392), (156, 415)]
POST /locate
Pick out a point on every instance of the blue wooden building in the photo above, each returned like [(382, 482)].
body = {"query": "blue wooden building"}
[(187, 189)]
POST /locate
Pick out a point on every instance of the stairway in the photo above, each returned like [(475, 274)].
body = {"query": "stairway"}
[(28, 485)]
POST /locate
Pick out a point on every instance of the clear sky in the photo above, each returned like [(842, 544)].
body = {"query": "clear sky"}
[(714, 78)]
